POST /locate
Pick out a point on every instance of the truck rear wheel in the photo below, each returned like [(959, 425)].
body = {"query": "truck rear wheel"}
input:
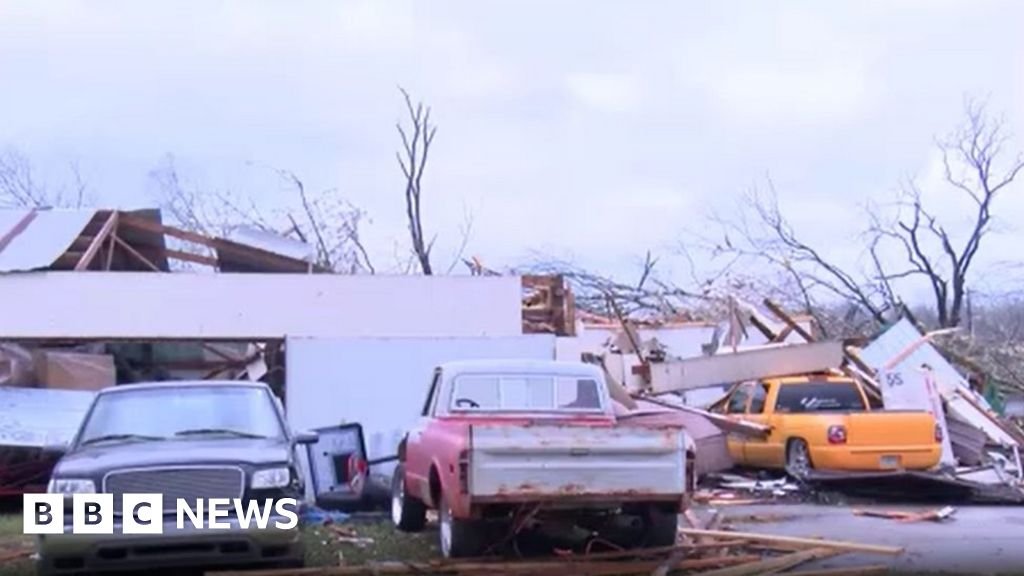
[(408, 513), (662, 527), (798, 459), (459, 538)]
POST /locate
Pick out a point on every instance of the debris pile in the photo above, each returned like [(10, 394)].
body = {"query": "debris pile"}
[(736, 490), (900, 369), (712, 552)]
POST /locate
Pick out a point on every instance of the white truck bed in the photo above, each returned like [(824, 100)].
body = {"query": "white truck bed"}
[(618, 463)]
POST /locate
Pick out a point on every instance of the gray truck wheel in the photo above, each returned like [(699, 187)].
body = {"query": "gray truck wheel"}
[(408, 513), (798, 459), (458, 538)]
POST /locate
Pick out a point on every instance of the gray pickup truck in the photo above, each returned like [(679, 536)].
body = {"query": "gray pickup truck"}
[(187, 440)]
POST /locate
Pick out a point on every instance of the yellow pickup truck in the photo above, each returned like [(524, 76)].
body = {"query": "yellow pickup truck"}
[(824, 422)]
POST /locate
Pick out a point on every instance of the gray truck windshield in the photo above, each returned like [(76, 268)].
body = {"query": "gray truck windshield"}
[(181, 412)]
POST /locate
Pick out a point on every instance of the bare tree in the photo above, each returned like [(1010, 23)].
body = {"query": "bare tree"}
[(649, 298), (930, 250), (19, 186), (412, 159), (326, 221), (970, 157)]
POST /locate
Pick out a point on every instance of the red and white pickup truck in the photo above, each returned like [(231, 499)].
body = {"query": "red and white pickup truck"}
[(503, 442)]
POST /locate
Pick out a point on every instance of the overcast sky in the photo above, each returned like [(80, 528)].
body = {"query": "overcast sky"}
[(586, 130)]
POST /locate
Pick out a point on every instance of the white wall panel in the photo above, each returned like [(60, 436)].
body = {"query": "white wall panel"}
[(382, 383), (256, 306)]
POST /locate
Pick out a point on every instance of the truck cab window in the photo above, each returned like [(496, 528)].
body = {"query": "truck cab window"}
[(759, 394), (738, 401), (819, 396)]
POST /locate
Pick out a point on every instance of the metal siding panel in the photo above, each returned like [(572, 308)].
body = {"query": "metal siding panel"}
[(47, 236)]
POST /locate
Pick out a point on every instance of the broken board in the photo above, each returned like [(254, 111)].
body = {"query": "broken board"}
[(745, 365)]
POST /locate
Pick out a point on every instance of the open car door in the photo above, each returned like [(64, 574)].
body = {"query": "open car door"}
[(338, 466)]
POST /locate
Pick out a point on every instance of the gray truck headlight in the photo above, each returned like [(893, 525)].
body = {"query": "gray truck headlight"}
[(271, 478), (71, 486)]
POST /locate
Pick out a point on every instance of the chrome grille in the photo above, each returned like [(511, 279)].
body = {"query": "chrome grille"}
[(189, 483)]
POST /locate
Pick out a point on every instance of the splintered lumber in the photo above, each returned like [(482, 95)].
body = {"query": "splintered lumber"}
[(773, 565), (582, 567), (15, 555), (850, 571), (935, 515), (806, 542)]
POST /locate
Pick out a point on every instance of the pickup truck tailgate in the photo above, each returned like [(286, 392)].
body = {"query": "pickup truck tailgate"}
[(892, 428), (512, 462)]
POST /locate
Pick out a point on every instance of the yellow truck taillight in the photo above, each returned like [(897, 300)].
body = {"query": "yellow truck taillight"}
[(938, 433), (837, 434)]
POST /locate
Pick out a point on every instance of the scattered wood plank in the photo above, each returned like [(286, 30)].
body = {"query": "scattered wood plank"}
[(11, 556), (850, 571), (773, 565), (551, 567), (807, 542), (936, 515)]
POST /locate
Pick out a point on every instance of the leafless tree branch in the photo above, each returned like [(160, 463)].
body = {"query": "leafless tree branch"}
[(413, 160)]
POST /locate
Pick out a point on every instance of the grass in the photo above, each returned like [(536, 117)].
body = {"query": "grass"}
[(323, 547)]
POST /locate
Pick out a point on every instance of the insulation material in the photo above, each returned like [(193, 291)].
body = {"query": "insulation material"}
[(37, 418), (74, 371), (382, 383)]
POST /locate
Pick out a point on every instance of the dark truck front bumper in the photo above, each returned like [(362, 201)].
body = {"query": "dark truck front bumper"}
[(189, 547)]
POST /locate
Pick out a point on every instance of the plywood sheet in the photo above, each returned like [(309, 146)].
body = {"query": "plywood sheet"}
[(257, 306)]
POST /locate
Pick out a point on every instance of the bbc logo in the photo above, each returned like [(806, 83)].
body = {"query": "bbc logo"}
[(92, 514), (144, 513)]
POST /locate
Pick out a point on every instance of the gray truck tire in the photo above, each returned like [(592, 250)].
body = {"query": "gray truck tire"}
[(408, 513), (662, 527), (458, 538)]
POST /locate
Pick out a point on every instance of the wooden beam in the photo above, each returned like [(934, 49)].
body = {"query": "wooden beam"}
[(136, 254), (781, 336), (111, 248), (764, 330), (219, 244), (805, 542), (189, 257), (97, 243), (155, 228), (782, 315)]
